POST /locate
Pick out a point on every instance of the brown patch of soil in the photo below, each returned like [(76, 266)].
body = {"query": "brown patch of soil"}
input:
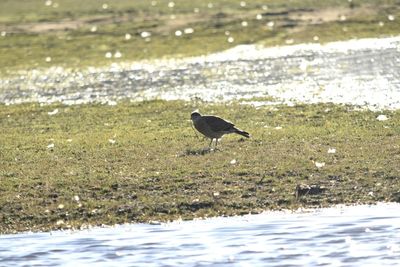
[(295, 17)]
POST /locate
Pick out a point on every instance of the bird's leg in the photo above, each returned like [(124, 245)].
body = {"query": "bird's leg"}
[(209, 146), (216, 143)]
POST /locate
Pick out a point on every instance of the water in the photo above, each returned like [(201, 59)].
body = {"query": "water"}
[(363, 72), (340, 236)]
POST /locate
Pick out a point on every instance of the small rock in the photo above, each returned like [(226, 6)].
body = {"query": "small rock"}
[(382, 118), (188, 30), (50, 146), (54, 112), (118, 54), (331, 150), (319, 164), (395, 197)]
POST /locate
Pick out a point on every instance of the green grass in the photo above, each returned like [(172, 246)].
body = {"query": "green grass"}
[(157, 169), (80, 48)]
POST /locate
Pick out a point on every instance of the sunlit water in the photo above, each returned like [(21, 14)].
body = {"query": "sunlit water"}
[(341, 236), (362, 72)]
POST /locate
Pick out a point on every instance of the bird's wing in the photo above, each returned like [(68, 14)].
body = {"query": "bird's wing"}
[(217, 124)]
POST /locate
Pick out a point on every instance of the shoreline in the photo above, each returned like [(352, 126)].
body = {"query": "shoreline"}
[(299, 211)]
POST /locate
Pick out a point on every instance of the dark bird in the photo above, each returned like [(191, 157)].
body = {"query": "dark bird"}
[(214, 127)]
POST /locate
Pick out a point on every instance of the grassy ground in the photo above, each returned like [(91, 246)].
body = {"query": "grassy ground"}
[(78, 34), (95, 164)]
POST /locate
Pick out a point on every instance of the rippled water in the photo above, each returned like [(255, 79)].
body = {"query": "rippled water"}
[(341, 236), (362, 72)]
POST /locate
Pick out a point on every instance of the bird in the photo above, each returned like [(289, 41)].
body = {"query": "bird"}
[(214, 127)]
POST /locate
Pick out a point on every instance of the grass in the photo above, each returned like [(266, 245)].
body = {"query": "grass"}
[(23, 47), (137, 162)]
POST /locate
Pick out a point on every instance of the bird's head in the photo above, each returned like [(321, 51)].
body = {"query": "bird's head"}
[(195, 115)]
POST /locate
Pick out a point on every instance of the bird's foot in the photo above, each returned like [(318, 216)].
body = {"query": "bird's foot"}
[(214, 149)]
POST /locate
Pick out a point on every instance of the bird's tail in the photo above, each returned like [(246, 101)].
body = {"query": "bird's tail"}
[(243, 133)]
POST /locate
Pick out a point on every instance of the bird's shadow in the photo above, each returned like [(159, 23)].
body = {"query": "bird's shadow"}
[(197, 152)]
